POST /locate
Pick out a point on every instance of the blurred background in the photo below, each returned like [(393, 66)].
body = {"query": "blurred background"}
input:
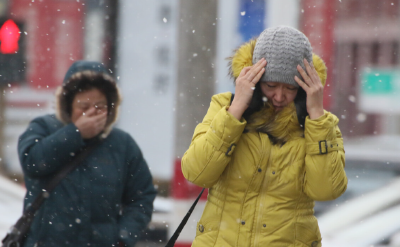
[(169, 58)]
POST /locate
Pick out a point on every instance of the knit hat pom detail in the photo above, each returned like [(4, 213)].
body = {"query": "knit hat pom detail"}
[(320, 67), (243, 58)]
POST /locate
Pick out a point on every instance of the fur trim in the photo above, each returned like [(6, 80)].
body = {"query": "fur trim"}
[(280, 126), (62, 113), (320, 67), (243, 57), (60, 105)]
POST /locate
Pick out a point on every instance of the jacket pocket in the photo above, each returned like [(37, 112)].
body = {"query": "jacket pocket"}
[(307, 237)]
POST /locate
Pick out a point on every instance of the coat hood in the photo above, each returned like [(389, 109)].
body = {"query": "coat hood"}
[(85, 75)]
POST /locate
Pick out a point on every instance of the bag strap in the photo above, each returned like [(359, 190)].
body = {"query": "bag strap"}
[(178, 231), (24, 222), (60, 176)]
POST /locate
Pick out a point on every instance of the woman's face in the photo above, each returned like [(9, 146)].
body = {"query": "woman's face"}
[(279, 94), (86, 100)]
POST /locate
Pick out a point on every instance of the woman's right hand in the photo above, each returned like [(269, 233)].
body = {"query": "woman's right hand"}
[(245, 85), (91, 123)]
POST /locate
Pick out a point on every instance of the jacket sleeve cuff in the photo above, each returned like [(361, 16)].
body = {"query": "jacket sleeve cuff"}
[(72, 133), (225, 130), (320, 134)]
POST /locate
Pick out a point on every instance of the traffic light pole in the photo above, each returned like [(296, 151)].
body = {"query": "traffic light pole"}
[(2, 126), (3, 13)]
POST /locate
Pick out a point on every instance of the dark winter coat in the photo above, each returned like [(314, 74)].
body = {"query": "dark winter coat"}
[(106, 199), (109, 197)]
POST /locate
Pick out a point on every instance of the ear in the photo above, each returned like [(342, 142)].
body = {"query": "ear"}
[(320, 67)]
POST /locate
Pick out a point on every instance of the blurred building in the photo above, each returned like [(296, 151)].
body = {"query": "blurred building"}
[(352, 36), (359, 41), (54, 34), (138, 41)]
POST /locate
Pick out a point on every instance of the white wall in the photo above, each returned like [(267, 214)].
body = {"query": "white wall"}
[(147, 111), (23, 104), (283, 12), (228, 39)]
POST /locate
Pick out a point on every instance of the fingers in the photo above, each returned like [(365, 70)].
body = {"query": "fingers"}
[(97, 120), (101, 124), (311, 83), (301, 83), (96, 124), (253, 74), (101, 119), (249, 76), (304, 75), (311, 78), (244, 71), (260, 64), (100, 116), (90, 112), (256, 79), (244, 86), (311, 71), (92, 123)]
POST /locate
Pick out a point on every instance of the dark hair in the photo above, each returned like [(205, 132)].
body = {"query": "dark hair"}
[(256, 103)]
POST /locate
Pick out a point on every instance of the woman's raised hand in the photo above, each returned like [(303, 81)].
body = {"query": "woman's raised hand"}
[(245, 85), (91, 123), (314, 89)]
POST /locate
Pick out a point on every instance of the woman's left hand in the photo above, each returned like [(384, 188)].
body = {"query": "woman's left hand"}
[(314, 89)]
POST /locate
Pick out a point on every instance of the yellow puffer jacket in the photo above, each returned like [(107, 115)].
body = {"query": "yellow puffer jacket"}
[(262, 194)]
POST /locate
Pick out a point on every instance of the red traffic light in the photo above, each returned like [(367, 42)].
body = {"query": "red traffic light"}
[(9, 36)]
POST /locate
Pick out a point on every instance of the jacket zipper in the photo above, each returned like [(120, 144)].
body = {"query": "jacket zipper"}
[(263, 188)]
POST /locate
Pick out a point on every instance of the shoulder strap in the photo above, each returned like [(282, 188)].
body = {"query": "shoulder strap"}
[(174, 237), (61, 175), (178, 231), (19, 230)]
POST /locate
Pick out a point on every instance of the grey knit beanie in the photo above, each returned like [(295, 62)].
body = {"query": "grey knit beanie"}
[(283, 48)]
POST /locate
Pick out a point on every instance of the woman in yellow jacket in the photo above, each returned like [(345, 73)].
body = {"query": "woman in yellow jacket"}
[(268, 152)]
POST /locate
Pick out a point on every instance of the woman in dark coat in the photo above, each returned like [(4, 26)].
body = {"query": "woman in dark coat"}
[(108, 199)]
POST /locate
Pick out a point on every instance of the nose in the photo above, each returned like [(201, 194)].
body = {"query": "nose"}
[(279, 96), (91, 110), (98, 110)]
